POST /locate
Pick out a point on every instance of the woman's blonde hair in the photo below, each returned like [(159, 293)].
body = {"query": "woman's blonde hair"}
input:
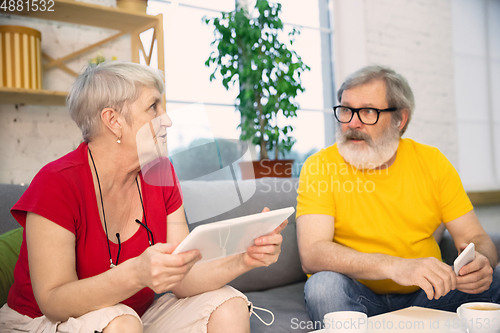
[(111, 84)]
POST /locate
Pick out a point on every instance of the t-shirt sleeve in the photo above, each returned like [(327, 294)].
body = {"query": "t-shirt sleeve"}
[(453, 199), (315, 193), (49, 195), (172, 193)]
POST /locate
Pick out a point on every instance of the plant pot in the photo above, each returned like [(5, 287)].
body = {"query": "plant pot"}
[(266, 168), (20, 55), (134, 6)]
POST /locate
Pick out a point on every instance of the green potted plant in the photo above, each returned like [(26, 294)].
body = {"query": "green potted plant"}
[(249, 52)]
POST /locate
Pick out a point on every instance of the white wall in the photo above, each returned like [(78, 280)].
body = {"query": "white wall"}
[(33, 135), (415, 39), (350, 37)]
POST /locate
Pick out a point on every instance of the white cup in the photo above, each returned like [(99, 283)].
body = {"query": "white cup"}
[(480, 317), (346, 322)]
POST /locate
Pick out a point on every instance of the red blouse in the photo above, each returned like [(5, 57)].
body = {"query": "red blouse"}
[(63, 192)]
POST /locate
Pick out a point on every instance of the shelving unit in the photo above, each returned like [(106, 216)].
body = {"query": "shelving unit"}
[(74, 12), (32, 96)]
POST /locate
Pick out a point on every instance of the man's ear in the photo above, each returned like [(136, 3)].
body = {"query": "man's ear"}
[(112, 120), (404, 119)]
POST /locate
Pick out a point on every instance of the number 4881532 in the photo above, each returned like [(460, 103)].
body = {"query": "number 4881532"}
[(27, 5)]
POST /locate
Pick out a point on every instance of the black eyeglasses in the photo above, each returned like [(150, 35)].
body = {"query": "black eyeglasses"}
[(368, 116)]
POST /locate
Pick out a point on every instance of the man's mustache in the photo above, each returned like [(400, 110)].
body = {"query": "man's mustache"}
[(352, 134)]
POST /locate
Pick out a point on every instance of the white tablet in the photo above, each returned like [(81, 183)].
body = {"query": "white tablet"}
[(220, 239)]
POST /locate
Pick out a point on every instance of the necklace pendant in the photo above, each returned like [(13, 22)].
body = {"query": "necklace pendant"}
[(112, 265)]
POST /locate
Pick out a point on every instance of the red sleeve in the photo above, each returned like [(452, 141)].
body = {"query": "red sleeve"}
[(49, 195)]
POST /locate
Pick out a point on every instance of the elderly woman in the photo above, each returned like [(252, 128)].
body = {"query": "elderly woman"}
[(99, 238)]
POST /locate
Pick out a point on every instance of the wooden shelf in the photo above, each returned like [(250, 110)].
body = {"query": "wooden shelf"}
[(75, 12), (484, 197), (32, 96)]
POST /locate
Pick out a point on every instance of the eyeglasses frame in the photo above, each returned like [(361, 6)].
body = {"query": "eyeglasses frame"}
[(356, 111)]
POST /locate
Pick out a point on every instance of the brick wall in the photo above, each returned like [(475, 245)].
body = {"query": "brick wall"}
[(415, 39), (33, 135)]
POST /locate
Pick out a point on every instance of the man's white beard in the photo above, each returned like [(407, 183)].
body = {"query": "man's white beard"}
[(371, 155)]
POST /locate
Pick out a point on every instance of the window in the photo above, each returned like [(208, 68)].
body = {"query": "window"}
[(187, 47)]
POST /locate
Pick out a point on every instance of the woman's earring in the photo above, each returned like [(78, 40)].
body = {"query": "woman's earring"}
[(119, 140)]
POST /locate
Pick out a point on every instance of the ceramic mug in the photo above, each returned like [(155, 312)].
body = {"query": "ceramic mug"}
[(346, 321), (480, 317)]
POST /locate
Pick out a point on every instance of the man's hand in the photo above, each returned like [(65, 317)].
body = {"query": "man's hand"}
[(434, 277), (476, 276), (266, 249)]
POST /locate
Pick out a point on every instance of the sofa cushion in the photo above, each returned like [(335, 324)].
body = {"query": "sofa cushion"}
[(9, 194), (273, 193), (10, 245), (287, 304)]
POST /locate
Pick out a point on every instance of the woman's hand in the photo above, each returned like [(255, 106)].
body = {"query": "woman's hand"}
[(267, 248), (160, 270)]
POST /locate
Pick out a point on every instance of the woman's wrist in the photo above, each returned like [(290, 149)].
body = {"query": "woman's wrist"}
[(135, 273)]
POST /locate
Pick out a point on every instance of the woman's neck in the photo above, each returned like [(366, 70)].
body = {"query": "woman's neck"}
[(115, 168)]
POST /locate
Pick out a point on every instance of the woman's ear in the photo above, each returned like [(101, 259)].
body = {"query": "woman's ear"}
[(112, 120)]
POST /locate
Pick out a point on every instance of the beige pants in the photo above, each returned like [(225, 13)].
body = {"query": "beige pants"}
[(166, 314)]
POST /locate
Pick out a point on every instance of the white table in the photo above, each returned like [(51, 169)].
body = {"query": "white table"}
[(414, 320)]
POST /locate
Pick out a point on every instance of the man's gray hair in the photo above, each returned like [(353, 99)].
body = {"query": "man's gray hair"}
[(111, 84), (399, 93)]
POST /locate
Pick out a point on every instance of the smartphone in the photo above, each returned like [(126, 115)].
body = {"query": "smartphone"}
[(464, 258)]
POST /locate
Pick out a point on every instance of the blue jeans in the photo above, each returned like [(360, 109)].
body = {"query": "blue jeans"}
[(327, 291)]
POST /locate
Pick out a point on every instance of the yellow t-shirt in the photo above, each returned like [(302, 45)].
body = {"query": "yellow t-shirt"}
[(394, 211)]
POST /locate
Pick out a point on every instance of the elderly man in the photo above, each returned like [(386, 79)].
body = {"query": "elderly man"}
[(368, 207)]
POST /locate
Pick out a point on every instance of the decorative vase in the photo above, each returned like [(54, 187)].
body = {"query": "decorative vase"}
[(266, 168), (20, 57)]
